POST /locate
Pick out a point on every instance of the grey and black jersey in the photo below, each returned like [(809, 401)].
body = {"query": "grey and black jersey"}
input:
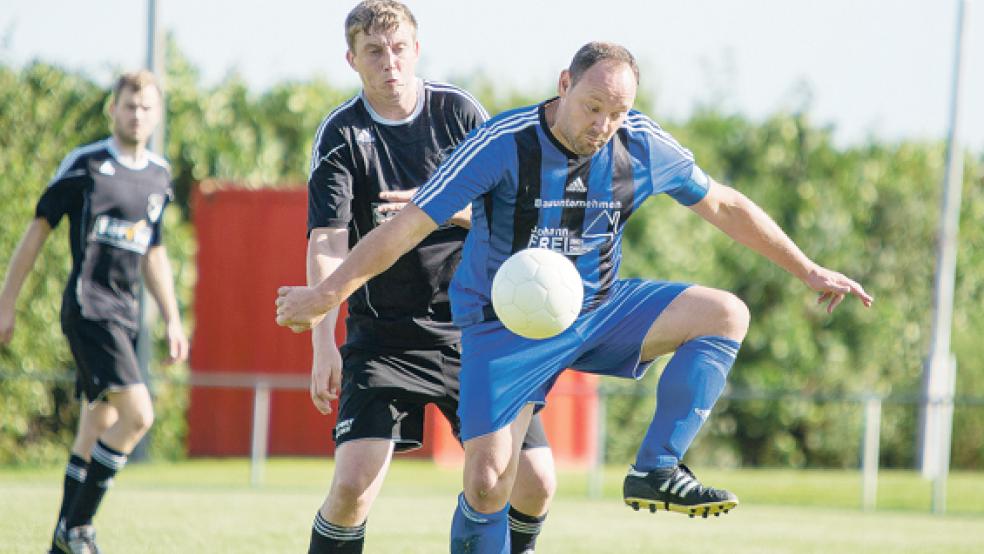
[(356, 155), (115, 213)]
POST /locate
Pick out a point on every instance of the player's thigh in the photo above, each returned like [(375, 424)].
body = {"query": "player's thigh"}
[(502, 372), (493, 456), (616, 330), (105, 354), (361, 464), (536, 479), (133, 404), (697, 311), (536, 436), (384, 394)]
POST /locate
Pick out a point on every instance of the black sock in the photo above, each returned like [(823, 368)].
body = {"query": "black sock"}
[(523, 531), (74, 477), (99, 476), (326, 537)]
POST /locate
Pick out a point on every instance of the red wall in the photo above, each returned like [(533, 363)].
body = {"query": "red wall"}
[(251, 242)]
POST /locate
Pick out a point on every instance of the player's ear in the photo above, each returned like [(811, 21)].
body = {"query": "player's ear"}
[(350, 58), (564, 83)]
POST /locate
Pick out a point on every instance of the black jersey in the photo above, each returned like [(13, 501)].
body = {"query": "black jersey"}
[(356, 155), (115, 214)]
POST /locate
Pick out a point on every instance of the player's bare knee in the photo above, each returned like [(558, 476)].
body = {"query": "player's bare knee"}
[(721, 314), (482, 484), (140, 421), (540, 480), (485, 491), (349, 491), (736, 316), (543, 486)]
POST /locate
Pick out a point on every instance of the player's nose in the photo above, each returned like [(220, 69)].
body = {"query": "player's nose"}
[(391, 59)]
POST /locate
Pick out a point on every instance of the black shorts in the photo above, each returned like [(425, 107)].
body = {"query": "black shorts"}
[(106, 356), (384, 392)]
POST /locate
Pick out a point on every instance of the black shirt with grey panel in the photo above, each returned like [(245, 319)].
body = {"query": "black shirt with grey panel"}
[(115, 215), (356, 155)]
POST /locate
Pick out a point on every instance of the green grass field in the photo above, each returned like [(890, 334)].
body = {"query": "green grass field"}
[(208, 506)]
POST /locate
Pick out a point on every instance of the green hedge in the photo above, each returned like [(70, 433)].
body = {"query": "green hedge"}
[(869, 210)]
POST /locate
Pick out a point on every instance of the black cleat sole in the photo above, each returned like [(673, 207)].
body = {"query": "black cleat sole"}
[(703, 510)]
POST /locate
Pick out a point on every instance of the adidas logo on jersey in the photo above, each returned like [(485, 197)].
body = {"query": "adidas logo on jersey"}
[(577, 185), (107, 168), (364, 137)]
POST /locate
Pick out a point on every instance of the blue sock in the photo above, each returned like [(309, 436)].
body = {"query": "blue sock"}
[(688, 389), (473, 532)]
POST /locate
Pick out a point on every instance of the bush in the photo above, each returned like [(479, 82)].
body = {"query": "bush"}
[(868, 210)]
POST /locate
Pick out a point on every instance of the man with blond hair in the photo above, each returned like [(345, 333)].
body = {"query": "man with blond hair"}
[(114, 193), (402, 350)]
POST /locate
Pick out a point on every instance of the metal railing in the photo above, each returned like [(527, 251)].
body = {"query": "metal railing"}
[(262, 385)]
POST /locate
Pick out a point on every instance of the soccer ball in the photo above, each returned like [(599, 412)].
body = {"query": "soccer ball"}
[(537, 293)]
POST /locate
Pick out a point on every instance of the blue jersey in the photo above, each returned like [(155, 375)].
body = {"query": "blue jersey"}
[(527, 190)]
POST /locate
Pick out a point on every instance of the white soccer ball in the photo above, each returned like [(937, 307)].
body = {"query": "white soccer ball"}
[(537, 293)]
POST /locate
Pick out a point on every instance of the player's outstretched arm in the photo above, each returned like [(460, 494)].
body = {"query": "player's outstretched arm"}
[(301, 308), (327, 248), (744, 221), (160, 282), (21, 264)]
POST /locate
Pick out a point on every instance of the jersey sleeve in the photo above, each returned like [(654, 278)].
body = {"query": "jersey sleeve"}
[(329, 186), (470, 112), (157, 238), (671, 166), (63, 192), (463, 109), (474, 167)]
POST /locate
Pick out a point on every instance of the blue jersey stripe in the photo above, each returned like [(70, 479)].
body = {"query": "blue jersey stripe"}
[(638, 121), (483, 137)]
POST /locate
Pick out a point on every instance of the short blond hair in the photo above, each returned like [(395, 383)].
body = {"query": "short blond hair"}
[(135, 80), (373, 16)]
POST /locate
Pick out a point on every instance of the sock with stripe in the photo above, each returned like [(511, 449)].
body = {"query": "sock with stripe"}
[(523, 531), (688, 389), (75, 472), (105, 463), (326, 537), (473, 532)]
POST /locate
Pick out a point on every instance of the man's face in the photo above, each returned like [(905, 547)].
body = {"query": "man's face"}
[(136, 114), (385, 60), (592, 110)]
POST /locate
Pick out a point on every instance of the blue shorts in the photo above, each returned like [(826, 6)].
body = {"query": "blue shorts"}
[(501, 372)]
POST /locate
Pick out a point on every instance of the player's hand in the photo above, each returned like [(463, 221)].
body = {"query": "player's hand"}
[(326, 378), (7, 319), (177, 343), (300, 308), (834, 287), (396, 200)]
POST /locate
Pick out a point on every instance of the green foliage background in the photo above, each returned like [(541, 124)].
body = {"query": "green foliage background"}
[(868, 210)]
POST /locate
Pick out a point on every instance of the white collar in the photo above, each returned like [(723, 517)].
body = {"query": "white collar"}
[(391, 122), (115, 152)]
